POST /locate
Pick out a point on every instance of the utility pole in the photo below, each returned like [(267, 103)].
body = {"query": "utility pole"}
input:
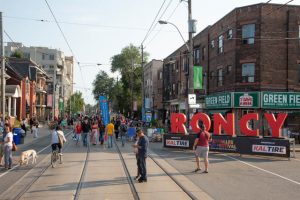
[(54, 92), (2, 69), (143, 97), (131, 80)]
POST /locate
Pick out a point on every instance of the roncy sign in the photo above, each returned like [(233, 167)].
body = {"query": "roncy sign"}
[(283, 100)]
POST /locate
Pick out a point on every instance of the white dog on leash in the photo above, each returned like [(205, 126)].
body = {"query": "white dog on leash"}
[(25, 156)]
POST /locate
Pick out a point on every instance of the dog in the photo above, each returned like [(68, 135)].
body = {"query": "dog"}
[(25, 156)]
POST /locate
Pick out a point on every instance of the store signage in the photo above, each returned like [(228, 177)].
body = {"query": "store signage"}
[(218, 101), (269, 149), (223, 143), (281, 100), (246, 99), (178, 121), (177, 143)]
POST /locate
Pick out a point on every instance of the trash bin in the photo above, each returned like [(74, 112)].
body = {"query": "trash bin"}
[(17, 135)]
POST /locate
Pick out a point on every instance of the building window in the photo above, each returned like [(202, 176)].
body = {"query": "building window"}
[(212, 44), (203, 53), (221, 42), (197, 56), (160, 75), (173, 88), (51, 57), (229, 68), (43, 56), (220, 77), (248, 72), (298, 72), (185, 64), (51, 66), (230, 34), (248, 33)]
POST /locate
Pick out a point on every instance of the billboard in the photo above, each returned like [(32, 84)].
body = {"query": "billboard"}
[(104, 109)]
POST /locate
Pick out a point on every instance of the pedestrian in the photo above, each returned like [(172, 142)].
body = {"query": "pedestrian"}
[(23, 126), (109, 132), (77, 133), (94, 132), (136, 150), (86, 128), (116, 127), (101, 131), (8, 140), (31, 124), (1, 147), (201, 148), (142, 146), (123, 132), (58, 139), (35, 128)]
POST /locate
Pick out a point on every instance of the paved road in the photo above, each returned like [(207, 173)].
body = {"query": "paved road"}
[(233, 177)]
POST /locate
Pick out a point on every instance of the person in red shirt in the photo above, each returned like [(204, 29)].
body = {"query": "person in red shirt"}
[(78, 132), (201, 148)]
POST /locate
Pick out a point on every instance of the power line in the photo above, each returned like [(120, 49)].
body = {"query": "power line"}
[(279, 7), (153, 22)]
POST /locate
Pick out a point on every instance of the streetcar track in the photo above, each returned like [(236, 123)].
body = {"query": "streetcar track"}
[(131, 184), (24, 190)]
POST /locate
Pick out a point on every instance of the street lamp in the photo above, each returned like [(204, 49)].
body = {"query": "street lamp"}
[(165, 22)]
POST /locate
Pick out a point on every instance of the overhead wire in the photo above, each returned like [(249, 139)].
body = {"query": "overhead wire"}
[(279, 7), (148, 32)]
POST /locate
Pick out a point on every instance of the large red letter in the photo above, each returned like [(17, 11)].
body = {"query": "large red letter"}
[(220, 122), (244, 124), (204, 118), (177, 123), (276, 124)]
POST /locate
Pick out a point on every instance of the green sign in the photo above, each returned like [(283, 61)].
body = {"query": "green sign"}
[(61, 105), (198, 82), (246, 100), (281, 100), (218, 101)]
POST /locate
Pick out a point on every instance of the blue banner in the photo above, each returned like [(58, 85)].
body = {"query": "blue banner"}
[(104, 109)]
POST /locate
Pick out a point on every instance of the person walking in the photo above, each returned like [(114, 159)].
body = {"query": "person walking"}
[(8, 143), (201, 148), (109, 131), (116, 127), (94, 132), (123, 132), (58, 139), (35, 128), (77, 132), (85, 127), (101, 131), (142, 146)]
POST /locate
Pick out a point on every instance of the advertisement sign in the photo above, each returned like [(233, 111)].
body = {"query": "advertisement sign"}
[(222, 143), (218, 101), (104, 109), (280, 100), (269, 149), (198, 78), (246, 100), (192, 99), (179, 141)]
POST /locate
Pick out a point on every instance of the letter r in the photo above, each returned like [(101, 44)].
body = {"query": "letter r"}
[(177, 123)]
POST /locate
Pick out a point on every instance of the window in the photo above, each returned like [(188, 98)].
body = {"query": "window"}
[(212, 74), (160, 75), (221, 42), (220, 77), (173, 67), (248, 72), (299, 32), (197, 56), (185, 64), (248, 33), (173, 88), (51, 57), (43, 56), (212, 44), (229, 68), (229, 34), (51, 66), (203, 53)]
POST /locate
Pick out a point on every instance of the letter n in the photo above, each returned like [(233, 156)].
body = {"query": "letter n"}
[(276, 124), (177, 123), (220, 122)]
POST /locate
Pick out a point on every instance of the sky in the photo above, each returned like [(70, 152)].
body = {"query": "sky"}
[(96, 30)]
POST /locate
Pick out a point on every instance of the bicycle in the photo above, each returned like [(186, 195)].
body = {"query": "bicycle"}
[(55, 157)]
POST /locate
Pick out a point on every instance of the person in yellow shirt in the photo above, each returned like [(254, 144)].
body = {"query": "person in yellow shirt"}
[(109, 131)]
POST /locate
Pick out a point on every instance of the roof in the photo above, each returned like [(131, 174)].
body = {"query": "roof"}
[(24, 67), (12, 91)]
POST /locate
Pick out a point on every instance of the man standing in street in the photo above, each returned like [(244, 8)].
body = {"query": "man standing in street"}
[(123, 131), (85, 127), (201, 148), (109, 132), (142, 146)]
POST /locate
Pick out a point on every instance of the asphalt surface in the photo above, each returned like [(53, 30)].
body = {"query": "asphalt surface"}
[(233, 177)]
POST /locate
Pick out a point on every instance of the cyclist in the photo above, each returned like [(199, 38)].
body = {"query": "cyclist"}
[(57, 139)]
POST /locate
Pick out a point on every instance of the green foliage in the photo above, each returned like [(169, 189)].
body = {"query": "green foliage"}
[(17, 54), (103, 85), (76, 102)]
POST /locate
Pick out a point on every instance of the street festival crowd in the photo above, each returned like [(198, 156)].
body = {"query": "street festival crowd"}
[(92, 130)]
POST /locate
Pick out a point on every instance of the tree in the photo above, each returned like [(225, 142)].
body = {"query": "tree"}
[(103, 85), (76, 103), (128, 64), (17, 54)]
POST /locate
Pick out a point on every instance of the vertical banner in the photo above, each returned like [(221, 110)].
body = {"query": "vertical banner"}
[(104, 110), (198, 81)]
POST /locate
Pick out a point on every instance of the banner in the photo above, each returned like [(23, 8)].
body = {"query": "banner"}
[(198, 81), (104, 109), (49, 100), (280, 100), (218, 101)]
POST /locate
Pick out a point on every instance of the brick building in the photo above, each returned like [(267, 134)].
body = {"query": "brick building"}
[(251, 63)]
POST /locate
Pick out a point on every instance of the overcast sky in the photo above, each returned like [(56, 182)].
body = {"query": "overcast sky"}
[(98, 29)]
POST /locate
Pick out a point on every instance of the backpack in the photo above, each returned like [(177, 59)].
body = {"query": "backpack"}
[(124, 128)]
